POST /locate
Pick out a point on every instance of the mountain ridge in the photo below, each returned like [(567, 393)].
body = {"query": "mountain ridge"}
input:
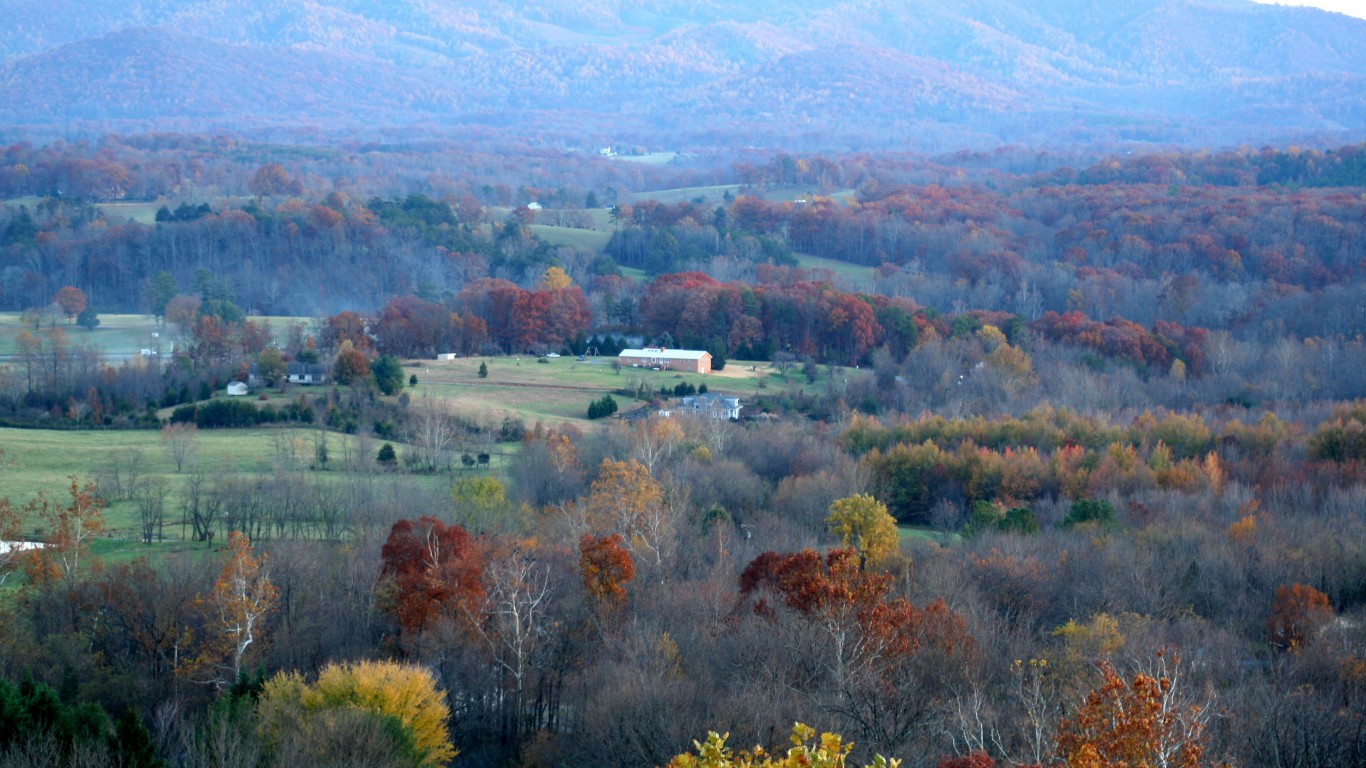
[(671, 68)]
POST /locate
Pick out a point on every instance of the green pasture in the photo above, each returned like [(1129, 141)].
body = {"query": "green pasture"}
[(559, 390), (142, 213), (713, 195), (38, 460), (590, 240), (916, 533), (856, 276), (118, 335)]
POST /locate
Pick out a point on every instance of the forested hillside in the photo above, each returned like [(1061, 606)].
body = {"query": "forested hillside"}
[(1026, 439), (920, 74)]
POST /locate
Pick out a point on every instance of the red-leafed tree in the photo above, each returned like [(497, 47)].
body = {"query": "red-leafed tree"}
[(877, 648), (430, 571)]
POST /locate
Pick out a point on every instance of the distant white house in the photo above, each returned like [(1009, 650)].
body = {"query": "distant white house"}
[(18, 546), (447, 356), (237, 388), (711, 406), (306, 373)]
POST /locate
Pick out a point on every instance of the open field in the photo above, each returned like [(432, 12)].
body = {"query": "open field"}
[(141, 212), (857, 277), (118, 335), (559, 391), (591, 240), (916, 533), (45, 460), (649, 158), (714, 195)]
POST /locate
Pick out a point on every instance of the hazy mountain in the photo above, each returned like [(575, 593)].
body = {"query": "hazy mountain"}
[(669, 69)]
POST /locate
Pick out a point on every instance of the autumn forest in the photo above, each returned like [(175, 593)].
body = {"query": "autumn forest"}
[(1047, 458)]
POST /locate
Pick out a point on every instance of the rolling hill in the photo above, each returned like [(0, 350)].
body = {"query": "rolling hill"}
[(880, 71)]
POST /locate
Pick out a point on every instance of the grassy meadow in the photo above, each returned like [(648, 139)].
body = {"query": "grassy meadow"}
[(42, 460), (118, 335), (140, 212), (591, 240), (560, 390), (855, 276)]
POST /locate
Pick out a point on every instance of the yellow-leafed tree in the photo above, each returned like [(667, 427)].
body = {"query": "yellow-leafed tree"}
[(242, 597), (863, 522), (830, 751), (404, 694)]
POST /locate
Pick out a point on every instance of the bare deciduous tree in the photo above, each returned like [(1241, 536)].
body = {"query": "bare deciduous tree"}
[(179, 441)]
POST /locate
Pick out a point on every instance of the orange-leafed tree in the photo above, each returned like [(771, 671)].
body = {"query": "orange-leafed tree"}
[(1140, 723), (606, 566), (977, 759), (69, 531), (242, 597), (9, 532), (430, 571), (71, 299), (1298, 612)]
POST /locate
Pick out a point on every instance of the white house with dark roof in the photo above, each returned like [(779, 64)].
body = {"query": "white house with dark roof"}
[(710, 405)]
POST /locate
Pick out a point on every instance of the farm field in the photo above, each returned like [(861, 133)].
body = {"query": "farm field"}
[(560, 390), (118, 335), (140, 212), (44, 460), (857, 277), (708, 195), (649, 158), (592, 240)]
